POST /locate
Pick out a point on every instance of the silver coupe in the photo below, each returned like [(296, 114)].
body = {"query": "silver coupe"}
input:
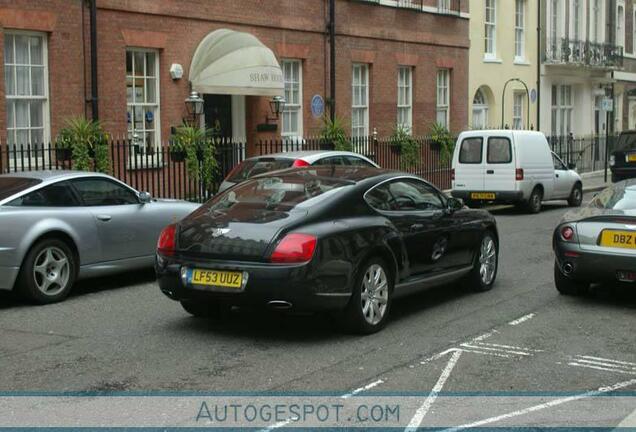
[(60, 226)]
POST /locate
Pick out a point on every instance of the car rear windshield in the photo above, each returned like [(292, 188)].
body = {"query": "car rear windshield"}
[(616, 198), (249, 168), (276, 193), (12, 185), (626, 141)]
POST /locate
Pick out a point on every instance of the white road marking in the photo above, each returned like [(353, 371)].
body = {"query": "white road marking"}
[(361, 389), (438, 356), (608, 360), (484, 336), (512, 347), (487, 348), (421, 412), (277, 425), (603, 368), (556, 402), (522, 319), (599, 363), (486, 353)]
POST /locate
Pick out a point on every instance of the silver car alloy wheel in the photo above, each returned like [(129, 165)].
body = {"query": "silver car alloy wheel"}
[(487, 260), (375, 294), (578, 195), (51, 271)]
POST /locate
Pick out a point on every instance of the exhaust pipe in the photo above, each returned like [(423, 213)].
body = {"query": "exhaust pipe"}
[(279, 305), (568, 268)]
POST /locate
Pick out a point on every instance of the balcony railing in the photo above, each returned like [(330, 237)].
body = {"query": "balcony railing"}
[(585, 53), (445, 7)]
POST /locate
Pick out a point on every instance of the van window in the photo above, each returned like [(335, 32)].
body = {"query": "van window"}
[(499, 150), (471, 150)]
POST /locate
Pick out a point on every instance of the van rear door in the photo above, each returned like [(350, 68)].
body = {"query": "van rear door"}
[(500, 168), (469, 166)]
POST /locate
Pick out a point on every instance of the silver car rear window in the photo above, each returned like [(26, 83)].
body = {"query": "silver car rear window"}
[(252, 167), (12, 185), (616, 198)]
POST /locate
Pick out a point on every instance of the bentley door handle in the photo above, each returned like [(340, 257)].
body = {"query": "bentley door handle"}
[(490, 172), (104, 218), (417, 227)]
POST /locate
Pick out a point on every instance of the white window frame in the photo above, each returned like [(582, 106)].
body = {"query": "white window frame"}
[(9, 98), (562, 100), (634, 30), (578, 19), (520, 30), (442, 100), (480, 109), (620, 26), (490, 30), (443, 6), (141, 158), (597, 16), (405, 98), (290, 106), (361, 87), (518, 102)]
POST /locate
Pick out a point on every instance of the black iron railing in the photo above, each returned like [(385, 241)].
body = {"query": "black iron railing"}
[(583, 52)]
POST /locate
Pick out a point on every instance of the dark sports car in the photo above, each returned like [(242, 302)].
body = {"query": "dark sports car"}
[(346, 239), (598, 242)]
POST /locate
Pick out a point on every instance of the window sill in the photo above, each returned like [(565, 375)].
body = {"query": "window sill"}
[(521, 62), (492, 60)]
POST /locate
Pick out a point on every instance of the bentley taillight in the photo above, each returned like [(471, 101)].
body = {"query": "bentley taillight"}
[(294, 248)]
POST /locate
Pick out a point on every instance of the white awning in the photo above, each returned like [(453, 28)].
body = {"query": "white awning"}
[(235, 63)]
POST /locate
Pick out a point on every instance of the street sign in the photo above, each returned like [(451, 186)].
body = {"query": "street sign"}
[(317, 106), (607, 104)]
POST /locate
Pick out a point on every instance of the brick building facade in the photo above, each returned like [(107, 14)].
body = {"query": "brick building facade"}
[(410, 57)]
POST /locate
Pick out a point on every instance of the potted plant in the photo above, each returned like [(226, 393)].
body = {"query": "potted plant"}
[(333, 135), (198, 149), (442, 140), (403, 143), (86, 143)]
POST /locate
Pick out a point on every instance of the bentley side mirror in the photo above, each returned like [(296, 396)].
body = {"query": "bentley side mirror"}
[(454, 204), (572, 166), (145, 197)]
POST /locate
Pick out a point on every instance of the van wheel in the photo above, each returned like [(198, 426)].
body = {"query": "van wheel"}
[(576, 196), (616, 178), (534, 202)]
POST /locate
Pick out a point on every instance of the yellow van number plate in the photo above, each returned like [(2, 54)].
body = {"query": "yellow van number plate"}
[(224, 279), (619, 239), (483, 195)]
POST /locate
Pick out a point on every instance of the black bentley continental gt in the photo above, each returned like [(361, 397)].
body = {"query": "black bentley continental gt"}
[(329, 238)]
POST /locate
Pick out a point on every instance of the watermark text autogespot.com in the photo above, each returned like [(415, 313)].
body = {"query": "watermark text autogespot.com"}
[(333, 413)]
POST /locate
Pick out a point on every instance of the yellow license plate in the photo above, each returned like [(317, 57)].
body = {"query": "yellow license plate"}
[(631, 157), (619, 239), (483, 195), (217, 278)]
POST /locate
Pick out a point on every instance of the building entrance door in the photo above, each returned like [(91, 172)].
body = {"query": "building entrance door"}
[(218, 114)]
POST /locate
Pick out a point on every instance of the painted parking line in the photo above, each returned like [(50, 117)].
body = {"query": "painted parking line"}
[(362, 389), (603, 364), (598, 392), (421, 412)]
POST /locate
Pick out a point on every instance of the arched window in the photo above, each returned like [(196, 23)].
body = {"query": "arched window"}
[(480, 110)]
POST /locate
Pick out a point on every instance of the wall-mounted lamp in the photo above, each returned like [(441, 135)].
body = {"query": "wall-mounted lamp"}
[(277, 106), (194, 105)]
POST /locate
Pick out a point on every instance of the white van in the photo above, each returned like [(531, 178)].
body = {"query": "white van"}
[(515, 167)]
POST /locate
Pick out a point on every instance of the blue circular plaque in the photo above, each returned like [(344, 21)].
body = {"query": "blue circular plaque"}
[(317, 106)]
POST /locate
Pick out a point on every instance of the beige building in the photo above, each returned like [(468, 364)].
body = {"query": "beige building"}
[(503, 47)]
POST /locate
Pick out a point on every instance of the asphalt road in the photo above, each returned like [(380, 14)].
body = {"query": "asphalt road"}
[(121, 334)]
